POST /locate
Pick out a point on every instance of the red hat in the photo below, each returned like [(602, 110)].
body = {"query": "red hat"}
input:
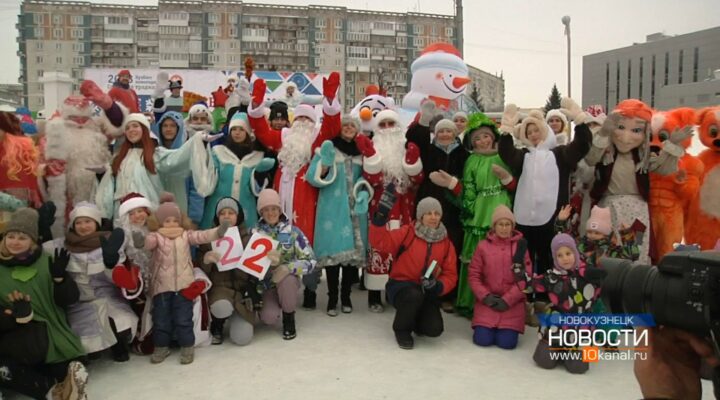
[(124, 72), (132, 201)]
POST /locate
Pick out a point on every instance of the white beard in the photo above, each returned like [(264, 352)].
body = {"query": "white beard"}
[(390, 145), (87, 147), (193, 129), (296, 148)]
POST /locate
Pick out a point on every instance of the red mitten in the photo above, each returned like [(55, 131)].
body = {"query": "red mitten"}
[(258, 92), (92, 92), (365, 145), (412, 154), (330, 86), (126, 277), (194, 290)]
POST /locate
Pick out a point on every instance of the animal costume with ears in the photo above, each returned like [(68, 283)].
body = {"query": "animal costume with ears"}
[(670, 195), (369, 107), (703, 223), (299, 198), (622, 160), (77, 147)]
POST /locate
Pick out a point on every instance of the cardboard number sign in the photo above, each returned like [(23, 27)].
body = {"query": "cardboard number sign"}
[(230, 248), (254, 259)]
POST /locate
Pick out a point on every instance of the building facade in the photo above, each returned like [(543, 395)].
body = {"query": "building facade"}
[(367, 47), (665, 72), (490, 89)]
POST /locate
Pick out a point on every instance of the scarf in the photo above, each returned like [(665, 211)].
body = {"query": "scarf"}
[(23, 265), (347, 148), (239, 149), (447, 149), (83, 244), (430, 235), (171, 233)]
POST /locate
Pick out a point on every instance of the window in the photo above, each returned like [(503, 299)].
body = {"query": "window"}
[(233, 18), (77, 33), (319, 35), (58, 60), (401, 41), (213, 45), (213, 31), (629, 78), (338, 24), (448, 32), (318, 61), (58, 46), (401, 26), (79, 60), (57, 19), (338, 63), (358, 52), (234, 45), (232, 59), (39, 59), (385, 26), (38, 19), (640, 92), (118, 20), (338, 50), (77, 19), (39, 33), (418, 29), (213, 18), (696, 60), (320, 22), (680, 67), (233, 31), (40, 73), (38, 45), (57, 33), (652, 82), (667, 67), (419, 42), (214, 58), (433, 30), (338, 36)]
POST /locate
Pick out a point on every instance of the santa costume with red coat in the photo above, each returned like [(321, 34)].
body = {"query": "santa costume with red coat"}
[(123, 93), (295, 147)]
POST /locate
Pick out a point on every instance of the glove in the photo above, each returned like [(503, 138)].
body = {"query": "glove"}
[(92, 92), (46, 218), (138, 240), (111, 247), (327, 154), (428, 110), (365, 145), (211, 257), (258, 92), (265, 165), (385, 205), (59, 263), (432, 286), (274, 257), (361, 203), (412, 154), (610, 125), (126, 277), (243, 91), (500, 304), (330, 86), (21, 307), (222, 229), (502, 174), (161, 84), (510, 118), (10, 203), (572, 111), (194, 290), (443, 179), (490, 300)]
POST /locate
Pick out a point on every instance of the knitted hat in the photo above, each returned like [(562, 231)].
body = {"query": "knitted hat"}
[(167, 208), (348, 120), (278, 109), (304, 110), (460, 114), (175, 85), (24, 220), (227, 202), (534, 117), (559, 114), (241, 120), (385, 115), (198, 108), (85, 209), (132, 201), (564, 240), (137, 117), (445, 124), (427, 205), (124, 72), (600, 220), (268, 197), (502, 212)]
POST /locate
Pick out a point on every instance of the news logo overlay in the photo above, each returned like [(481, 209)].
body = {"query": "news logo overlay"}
[(596, 337)]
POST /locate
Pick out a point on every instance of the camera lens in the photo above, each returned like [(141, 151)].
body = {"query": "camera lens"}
[(628, 287)]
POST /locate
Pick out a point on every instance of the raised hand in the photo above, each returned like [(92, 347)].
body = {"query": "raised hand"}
[(330, 86), (412, 154), (572, 110), (565, 212), (111, 247), (92, 92), (428, 110), (222, 229), (258, 92), (510, 118), (501, 173), (59, 263)]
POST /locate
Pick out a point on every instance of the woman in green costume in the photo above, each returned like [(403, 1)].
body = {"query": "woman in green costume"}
[(486, 184), (36, 344)]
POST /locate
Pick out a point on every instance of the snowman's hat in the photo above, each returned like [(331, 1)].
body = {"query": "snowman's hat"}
[(439, 55)]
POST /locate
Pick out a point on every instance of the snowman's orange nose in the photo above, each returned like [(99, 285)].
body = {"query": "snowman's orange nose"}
[(460, 81), (366, 114)]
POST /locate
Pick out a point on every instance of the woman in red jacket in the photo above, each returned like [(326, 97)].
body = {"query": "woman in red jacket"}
[(414, 288), (499, 314)]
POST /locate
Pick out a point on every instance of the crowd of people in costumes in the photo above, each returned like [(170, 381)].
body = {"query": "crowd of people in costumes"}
[(107, 220)]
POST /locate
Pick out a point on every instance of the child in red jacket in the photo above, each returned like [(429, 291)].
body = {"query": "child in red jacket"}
[(499, 312), (415, 287)]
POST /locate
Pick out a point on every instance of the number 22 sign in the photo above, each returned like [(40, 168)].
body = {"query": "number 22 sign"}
[(254, 259)]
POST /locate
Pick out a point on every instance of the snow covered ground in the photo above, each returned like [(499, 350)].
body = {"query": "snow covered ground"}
[(354, 356)]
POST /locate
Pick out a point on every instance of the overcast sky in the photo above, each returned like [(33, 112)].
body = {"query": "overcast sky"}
[(521, 38)]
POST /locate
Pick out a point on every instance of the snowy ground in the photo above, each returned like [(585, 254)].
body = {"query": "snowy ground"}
[(354, 356)]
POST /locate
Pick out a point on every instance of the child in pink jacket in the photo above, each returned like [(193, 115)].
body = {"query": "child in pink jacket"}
[(172, 283), (499, 312)]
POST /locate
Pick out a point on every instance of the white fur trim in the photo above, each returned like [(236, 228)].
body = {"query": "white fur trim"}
[(137, 292), (372, 165), (131, 204), (413, 169), (359, 186), (453, 182), (386, 115), (331, 109), (330, 178), (201, 276), (136, 117), (57, 189), (258, 112), (376, 281), (86, 210)]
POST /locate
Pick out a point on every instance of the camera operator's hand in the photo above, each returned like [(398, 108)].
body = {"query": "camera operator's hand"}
[(672, 367)]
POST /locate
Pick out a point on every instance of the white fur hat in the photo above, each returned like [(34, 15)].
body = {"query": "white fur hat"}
[(197, 108), (85, 209), (385, 115), (137, 117), (559, 114), (304, 110), (533, 117), (133, 201)]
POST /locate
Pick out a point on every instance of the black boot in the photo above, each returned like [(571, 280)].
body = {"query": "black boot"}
[(332, 284), (309, 299), (289, 332), (346, 288), (216, 330), (121, 349), (404, 340)]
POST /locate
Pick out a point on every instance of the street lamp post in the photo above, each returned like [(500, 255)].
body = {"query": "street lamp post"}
[(566, 22)]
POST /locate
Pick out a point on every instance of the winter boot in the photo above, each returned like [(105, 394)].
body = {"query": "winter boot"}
[(216, 330), (404, 340), (121, 349), (289, 326), (309, 298), (332, 299), (159, 355), (187, 355), (73, 386), (346, 304), (530, 318)]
